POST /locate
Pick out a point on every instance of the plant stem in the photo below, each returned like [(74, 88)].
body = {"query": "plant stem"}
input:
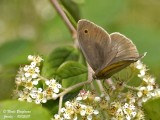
[(60, 104), (100, 86), (130, 87), (67, 90), (65, 18)]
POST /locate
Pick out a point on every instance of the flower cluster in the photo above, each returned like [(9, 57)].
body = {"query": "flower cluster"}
[(125, 108), (88, 106), (29, 74), (148, 89), (82, 107), (124, 111), (27, 81), (116, 105)]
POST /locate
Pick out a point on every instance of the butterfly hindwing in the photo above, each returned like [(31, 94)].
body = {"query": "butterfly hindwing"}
[(112, 69), (125, 48)]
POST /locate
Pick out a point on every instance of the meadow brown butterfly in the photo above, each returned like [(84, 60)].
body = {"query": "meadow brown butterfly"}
[(105, 53)]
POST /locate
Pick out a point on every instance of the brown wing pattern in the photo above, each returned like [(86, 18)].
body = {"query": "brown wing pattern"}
[(92, 40), (106, 54), (124, 53), (124, 47)]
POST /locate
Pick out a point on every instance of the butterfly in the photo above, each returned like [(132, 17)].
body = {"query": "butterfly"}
[(106, 53)]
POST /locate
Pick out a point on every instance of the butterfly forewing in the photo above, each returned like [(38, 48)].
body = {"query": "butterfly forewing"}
[(92, 40)]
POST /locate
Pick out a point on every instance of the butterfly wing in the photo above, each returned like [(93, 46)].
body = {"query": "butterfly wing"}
[(126, 53), (112, 69), (125, 48), (93, 40)]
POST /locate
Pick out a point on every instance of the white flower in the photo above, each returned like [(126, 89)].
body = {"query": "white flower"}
[(83, 112), (30, 57), (139, 65), (149, 87), (53, 85), (144, 99), (75, 118), (142, 72), (63, 110), (47, 82), (33, 64), (120, 112), (97, 99), (29, 99), (27, 74), (36, 59), (66, 116), (139, 94), (83, 94), (128, 117), (89, 117), (44, 100), (149, 79), (96, 112), (54, 96), (37, 101), (37, 69), (126, 105), (56, 90), (107, 98), (131, 106), (157, 92), (68, 104), (59, 86), (79, 98), (133, 114), (26, 68), (56, 116), (40, 90), (34, 75), (35, 82)]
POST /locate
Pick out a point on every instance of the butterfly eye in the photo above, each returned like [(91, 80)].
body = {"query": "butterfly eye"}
[(85, 31)]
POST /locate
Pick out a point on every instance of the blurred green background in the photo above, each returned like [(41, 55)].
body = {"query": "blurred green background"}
[(34, 27)]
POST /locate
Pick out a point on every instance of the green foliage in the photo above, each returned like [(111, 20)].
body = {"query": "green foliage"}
[(7, 83), (102, 12), (65, 63), (58, 57), (152, 109), (14, 52), (72, 8), (72, 73), (52, 106), (35, 112)]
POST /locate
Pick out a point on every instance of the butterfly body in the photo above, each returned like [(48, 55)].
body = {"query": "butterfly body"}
[(105, 53)]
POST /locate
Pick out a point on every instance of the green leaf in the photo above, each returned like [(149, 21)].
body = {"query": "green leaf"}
[(14, 52), (52, 106), (152, 108), (72, 73), (72, 8), (7, 83), (57, 57), (17, 110)]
